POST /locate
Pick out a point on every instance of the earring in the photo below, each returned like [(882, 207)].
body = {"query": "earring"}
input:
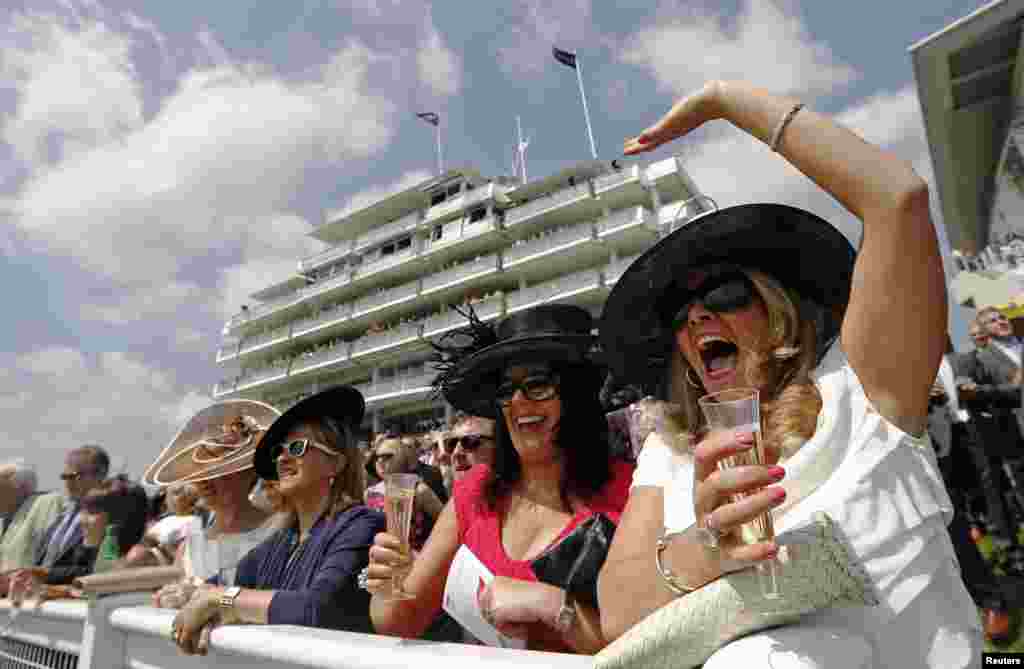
[(689, 379)]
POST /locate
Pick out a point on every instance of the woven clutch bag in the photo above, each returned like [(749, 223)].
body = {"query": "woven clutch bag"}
[(817, 571)]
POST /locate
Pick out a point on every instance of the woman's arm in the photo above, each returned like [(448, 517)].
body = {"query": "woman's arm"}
[(427, 500), (896, 318), (410, 618)]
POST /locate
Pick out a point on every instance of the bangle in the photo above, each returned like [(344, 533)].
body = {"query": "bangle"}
[(672, 581), (781, 127)]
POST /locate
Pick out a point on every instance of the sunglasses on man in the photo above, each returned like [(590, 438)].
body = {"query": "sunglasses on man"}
[(298, 447), (74, 476), (470, 442), (535, 388), (723, 290)]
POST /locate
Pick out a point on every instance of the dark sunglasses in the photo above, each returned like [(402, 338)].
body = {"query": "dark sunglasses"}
[(298, 447), (535, 388), (73, 476), (720, 294), (470, 442)]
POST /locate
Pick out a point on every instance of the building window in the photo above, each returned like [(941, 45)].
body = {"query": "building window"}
[(454, 190), (387, 249), (478, 214), (438, 233), (437, 198), (404, 243)]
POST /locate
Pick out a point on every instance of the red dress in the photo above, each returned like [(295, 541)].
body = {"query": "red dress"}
[(480, 527)]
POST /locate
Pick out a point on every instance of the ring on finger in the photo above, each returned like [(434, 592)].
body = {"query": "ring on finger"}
[(363, 580), (709, 534)]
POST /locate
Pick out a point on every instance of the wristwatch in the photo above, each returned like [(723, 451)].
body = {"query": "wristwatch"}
[(566, 615), (228, 597)]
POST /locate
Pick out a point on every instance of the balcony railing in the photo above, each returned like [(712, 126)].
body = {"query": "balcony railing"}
[(466, 231), (450, 319), (343, 277), (327, 256), (380, 341), (259, 375), (662, 168), (224, 386), (387, 231), (608, 181), (325, 317), (403, 384), (554, 289), (322, 356), (481, 265), (365, 305), (544, 204), (383, 263), (254, 342), (548, 241), (615, 269), (264, 308), (622, 219), (464, 201)]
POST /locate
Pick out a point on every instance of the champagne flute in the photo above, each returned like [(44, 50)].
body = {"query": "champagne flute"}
[(740, 409), (399, 505)]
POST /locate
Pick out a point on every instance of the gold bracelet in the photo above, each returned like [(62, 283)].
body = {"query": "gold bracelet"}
[(781, 127), (672, 581)]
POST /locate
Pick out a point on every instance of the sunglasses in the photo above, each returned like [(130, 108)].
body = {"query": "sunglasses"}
[(470, 442), (298, 447), (724, 293), (71, 476), (535, 388)]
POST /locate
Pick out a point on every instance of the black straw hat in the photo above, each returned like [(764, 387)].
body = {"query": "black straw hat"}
[(471, 358), (343, 404), (805, 253)]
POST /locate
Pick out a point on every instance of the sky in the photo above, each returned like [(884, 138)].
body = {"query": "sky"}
[(160, 161)]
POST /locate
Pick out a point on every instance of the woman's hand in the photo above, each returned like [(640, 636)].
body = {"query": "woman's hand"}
[(513, 605), (193, 624), (24, 583), (174, 595), (385, 555), (689, 113), (723, 499)]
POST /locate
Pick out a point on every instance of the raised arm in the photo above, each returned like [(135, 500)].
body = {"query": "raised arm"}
[(896, 319)]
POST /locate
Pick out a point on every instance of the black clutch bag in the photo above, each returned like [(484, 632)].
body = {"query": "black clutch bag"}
[(574, 562)]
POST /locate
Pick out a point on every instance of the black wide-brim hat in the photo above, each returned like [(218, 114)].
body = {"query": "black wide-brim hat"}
[(556, 334), (802, 251), (343, 404)]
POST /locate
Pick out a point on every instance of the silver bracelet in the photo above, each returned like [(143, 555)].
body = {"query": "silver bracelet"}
[(781, 127), (672, 582)]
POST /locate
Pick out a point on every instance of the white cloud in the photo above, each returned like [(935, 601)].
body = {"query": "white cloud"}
[(438, 65), (538, 25), (764, 43), (76, 88), (67, 398), (373, 194)]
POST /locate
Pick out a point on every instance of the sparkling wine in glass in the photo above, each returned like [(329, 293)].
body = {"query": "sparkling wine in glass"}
[(399, 505), (740, 409)]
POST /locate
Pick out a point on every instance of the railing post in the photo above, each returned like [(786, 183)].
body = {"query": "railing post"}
[(103, 646)]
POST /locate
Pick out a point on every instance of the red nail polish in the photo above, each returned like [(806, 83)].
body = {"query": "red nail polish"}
[(778, 494), (777, 473), (643, 139), (744, 436)]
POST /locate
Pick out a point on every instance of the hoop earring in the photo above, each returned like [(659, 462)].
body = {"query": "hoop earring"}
[(689, 380)]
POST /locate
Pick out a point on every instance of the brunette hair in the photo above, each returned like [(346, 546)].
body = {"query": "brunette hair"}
[(782, 365), (582, 439), (125, 504), (349, 483)]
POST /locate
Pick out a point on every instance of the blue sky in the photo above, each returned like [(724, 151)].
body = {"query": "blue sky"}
[(161, 160)]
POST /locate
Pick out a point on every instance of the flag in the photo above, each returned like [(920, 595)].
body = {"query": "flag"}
[(430, 117), (564, 57)]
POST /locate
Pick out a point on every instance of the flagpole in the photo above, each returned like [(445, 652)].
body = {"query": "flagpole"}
[(519, 149), (440, 156), (586, 112)]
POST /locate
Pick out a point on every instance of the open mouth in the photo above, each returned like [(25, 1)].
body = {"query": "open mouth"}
[(530, 423), (718, 354)]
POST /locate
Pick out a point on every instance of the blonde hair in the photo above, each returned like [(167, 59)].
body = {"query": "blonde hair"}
[(781, 367), (406, 451)]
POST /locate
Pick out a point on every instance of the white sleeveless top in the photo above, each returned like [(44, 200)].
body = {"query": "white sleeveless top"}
[(206, 558), (883, 488)]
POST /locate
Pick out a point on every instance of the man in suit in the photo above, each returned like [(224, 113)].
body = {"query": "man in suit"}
[(85, 468), (998, 422), (949, 425), (26, 515)]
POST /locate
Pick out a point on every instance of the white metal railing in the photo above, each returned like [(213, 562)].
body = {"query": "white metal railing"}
[(385, 232), (224, 386), (326, 256), (482, 194), (614, 270), (250, 343), (464, 201), (403, 384), (609, 181), (321, 356), (622, 219), (548, 241), (442, 322), (385, 297), (384, 262), (662, 168), (339, 279), (467, 231), (328, 315), (268, 306), (263, 373), (461, 272), (387, 339), (563, 285), (546, 203)]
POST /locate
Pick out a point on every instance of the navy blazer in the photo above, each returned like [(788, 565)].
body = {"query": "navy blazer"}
[(996, 411), (319, 588)]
